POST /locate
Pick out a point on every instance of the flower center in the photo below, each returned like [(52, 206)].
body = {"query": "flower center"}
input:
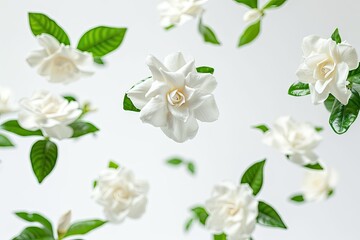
[(176, 98), (326, 69), (64, 65), (120, 194)]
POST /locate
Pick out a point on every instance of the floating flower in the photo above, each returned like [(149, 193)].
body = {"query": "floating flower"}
[(253, 15), (64, 223), (6, 105)]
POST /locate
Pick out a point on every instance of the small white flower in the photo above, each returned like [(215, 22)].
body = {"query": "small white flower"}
[(318, 184), (232, 210), (50, 113), (294, 139), (177, 12), (64, 223), (121, 194), (326, 67), (6, 106), (253, 15), (175, 97), (60, 63)]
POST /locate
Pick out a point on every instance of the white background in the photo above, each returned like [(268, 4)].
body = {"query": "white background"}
[(252, 89)]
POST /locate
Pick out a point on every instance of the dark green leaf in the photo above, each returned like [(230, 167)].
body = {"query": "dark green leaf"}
[(331, 193), (336, 36), (205, 69), (35, 217), (40, 23), (200, 214), (262, 127), (269, 217), (250, 34), (319, 129), (174, 161), (220, 237), (208, 34), (343, 116), (83, 227), (101, 40), (188, 224), (170, 27), (81, 128), (94, 184), (113, 165), (34, 233), (354, 78), (329, 102), (191, 168), (298, 198), (5, 141), (70, 98), (14, 127), (43, 157), (315, 166), (250, 3), (254, 176), (274, 4), (99, 60), (299, 89), (128, 105)]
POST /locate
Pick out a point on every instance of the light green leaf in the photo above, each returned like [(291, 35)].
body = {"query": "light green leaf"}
[(188, 224), (298, 198), (250, 34), (34, 233), (336, 36), (342, 117), (113, 165), (329, 102), (315, 166), (269, 217), (262, 128), (174, 161), (43, 157), (200, 214), (319, 129), (70, 98), (128, 104), (274, 4), (299, 89), (208, 34), (254, 176), (5, 141), (40, 23), (82, 128), (99, 61), (220, 237), (205, 69), (83, 227), (101, 40), (191, 168), (35, 217), (250, 3), (95, 184), (14, 127), (169, 27)]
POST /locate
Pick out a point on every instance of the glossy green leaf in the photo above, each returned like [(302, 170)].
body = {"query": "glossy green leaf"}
[(191, 167), (175, 161), (128, 104), (83, 227), (299, 89), (274, 4), (113, 165), (249, 3), (43, 157), (354, 78), (82, 128), (269, 217), (40, 23), (315, 166), (189, 224), (220, 236), (35, 217), (5, 141), (208, 34), (336, 36), (298, 198), (205, 69), (262, 128), (200, 214), (254, 176), (250, 34), (101, 40), (34, 233), (329, 102), (343, 116), (14, 127)]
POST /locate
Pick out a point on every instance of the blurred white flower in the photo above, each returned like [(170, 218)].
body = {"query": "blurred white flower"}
[(50, 113), (294, 139), (318, 185), (326, 67), (121, 194), (64, 223), (177, 12), (232, 210), (175, 97), (253, 15), (60, 63), (6, 106)]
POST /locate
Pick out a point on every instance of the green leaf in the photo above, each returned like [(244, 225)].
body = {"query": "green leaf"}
[(269, 217), (99, 60), (5, 141), (331, 193), (81, 128), (34, 233), (40, 23), (262, 127), (336, 36), (113, 165), (169, 27), (205, 69), (83, 227), (191, 168), (329, 102), (254, 176), (175, 161), (95, 184), (14, 127), (250, 34), (208, 34), (128, 104), (200, 214), (299, 89), (343, 116), (35, 217), (43, 157), (70, 98), (101, 40), (274, 4), (250, 3), (354, 78), (315, 166), (319, 129), (188, 224), (298, 198), (220, 236)]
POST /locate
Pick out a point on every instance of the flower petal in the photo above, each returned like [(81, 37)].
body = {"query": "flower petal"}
[(338, 88), (207, 111), (205, 82), (175, 79), (36, 57), (348, 55), (305, 74), (311, 44), (175, 61), (155, 112), (137, 94), (59, 132), (181, 131), (155, 65), (316, 97), (48, 42)]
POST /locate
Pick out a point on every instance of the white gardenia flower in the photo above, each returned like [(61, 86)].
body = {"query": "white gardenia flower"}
[(318, 184), (175, 97), (60, 63), (121, 194), (6, 106), (50, 113), (326, 67), (232, 210), (177, 12), (64, 223), (253, 15), (294, 139)]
